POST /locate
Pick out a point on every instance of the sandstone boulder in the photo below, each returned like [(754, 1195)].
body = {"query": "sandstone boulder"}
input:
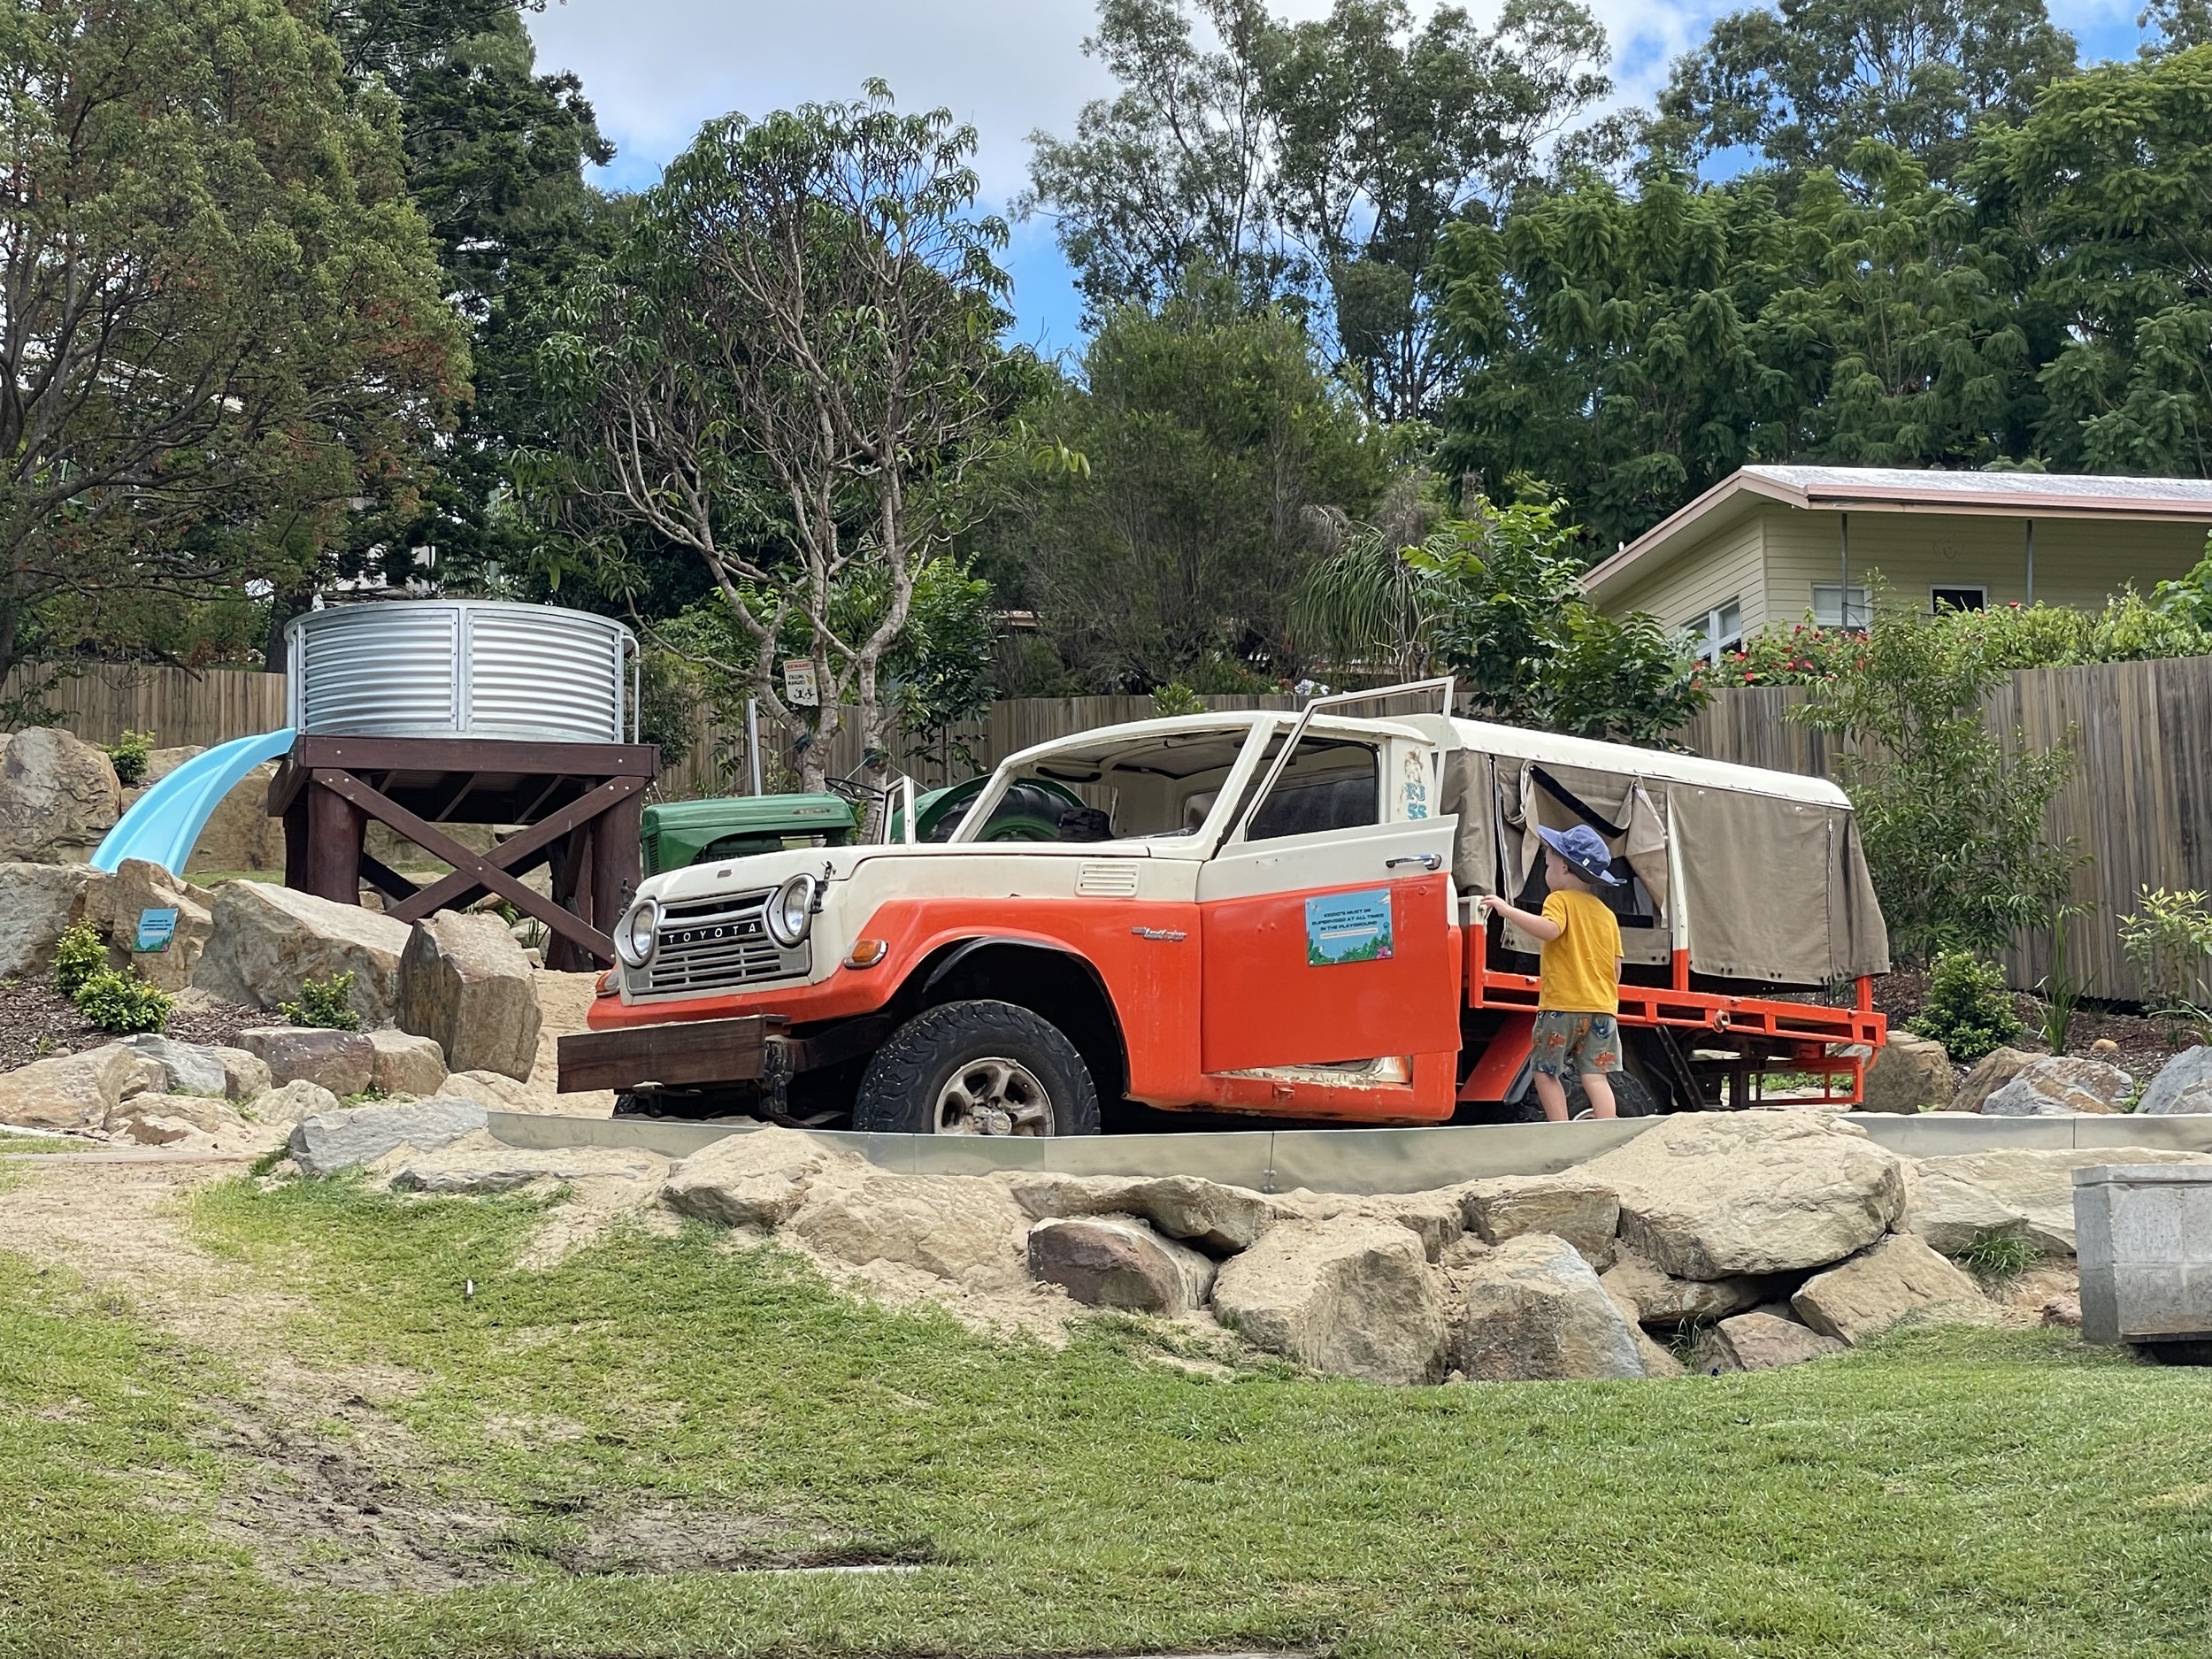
[(161, 762), (1536, 1312), (240, 835), (187, 1068), (292, 1102), (76, 1091), (1659, 1360), (245, 1075), (2183, 1084), (38, 904), (343, 1062), (1990, 1073), (1115, 1262), (2029, 1191), (59, 797), (2057, 1086), (464, 982), (1910, 1072), (1660, 1299), (194, 1111), (954, 1226), (266, 940), (1584, 1212), (1352, 1296), (407, 1064), (1711, 1196), (476, 1165), (1219, 1218), (1761, 1342), (115, 903), (1897, 1278), (331, 1142), (502, 1092), (755, 1180)]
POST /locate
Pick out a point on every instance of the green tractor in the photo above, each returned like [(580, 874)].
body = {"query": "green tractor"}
[(680, 833)]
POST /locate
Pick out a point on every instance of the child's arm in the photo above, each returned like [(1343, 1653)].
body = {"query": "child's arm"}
[(1534, 925)]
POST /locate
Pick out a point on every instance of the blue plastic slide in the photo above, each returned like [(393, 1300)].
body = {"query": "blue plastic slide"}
[(167, 819)]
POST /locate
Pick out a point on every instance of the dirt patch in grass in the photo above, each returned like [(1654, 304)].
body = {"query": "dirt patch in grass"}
[(37, 1023)]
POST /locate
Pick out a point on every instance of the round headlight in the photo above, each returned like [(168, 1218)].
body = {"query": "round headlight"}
[(791, 911), (636, 934)]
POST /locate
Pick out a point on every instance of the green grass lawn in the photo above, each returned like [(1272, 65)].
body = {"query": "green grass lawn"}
[(1946, 1494)]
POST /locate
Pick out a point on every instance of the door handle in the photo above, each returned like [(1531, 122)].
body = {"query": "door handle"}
[(1427, 861)]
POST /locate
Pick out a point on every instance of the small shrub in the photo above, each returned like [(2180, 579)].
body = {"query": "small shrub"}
[(79, 954), (323, 1003), (2168, 939), (1967, 1010), (1176, 698), (1999, 1254), (129, 753), (122, 1004)]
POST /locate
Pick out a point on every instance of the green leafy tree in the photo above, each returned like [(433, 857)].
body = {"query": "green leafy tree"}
[(1312, 163), (224, 341), (1497, 601), (788, 373), (495, 155), (1384, 134), (1951, 817), (2107, 184), (1804, 83), (1211, 442), (1634, 348)]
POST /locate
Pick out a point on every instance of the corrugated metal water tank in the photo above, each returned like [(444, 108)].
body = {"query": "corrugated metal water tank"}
[(458, 668)]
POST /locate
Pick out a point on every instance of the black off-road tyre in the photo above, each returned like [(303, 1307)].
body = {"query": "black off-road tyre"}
[(950, 1059), (1632, 1096)]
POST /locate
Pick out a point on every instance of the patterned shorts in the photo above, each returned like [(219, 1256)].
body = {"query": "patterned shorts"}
[(1575, 1043)]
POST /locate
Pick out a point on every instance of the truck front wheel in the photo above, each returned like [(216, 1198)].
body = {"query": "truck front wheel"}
[(977, 1068)]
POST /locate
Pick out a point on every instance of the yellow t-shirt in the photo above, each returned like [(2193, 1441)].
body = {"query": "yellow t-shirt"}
[(1580, 970)]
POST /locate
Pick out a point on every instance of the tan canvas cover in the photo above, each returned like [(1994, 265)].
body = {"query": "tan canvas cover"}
[(1776, 890), (1469, 793)]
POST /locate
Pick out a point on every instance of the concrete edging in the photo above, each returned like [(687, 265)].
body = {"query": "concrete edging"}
[(1344, 1160)]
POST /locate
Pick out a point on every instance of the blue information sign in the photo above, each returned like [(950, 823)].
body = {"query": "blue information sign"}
[(1348, 927), (157, 928)]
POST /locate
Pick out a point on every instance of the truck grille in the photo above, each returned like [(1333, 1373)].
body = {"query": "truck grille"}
[(717, 944)]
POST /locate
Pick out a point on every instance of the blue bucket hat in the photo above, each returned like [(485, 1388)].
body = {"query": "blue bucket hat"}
[(1585, 849)]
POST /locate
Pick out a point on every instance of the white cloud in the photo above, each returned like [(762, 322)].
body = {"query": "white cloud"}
[(656, 69)]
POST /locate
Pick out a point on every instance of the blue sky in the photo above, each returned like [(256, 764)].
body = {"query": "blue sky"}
[(656, 69)]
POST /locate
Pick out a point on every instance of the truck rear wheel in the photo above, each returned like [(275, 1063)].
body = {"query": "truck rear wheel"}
[(977, 1068)]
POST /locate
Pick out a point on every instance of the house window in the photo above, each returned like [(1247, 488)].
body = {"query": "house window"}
[(1958, 599), (1828, 606), (1719, 629)]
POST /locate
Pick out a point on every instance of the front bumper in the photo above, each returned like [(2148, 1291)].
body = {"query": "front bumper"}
[(709, 1053)]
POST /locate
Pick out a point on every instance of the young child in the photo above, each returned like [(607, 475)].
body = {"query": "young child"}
[(1579, 970)]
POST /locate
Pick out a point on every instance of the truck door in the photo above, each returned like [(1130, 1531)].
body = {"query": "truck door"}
[(1326, 923)]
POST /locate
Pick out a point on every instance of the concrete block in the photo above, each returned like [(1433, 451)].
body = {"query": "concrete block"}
[(2144, 1234)]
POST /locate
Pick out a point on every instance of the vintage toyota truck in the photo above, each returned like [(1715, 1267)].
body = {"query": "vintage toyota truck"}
[(1260, 914)]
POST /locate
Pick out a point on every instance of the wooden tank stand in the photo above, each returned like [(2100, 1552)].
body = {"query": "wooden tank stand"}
[(580, 804)]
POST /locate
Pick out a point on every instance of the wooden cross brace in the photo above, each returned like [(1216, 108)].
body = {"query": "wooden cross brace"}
[(481, 872)]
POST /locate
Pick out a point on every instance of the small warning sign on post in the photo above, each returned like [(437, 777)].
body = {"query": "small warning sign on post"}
[(156, 929), (801, 689)]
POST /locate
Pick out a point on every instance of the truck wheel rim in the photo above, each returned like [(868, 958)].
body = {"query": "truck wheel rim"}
[(994, 1096)]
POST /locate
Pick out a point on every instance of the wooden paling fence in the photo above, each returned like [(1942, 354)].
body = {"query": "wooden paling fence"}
[(2138, 803)]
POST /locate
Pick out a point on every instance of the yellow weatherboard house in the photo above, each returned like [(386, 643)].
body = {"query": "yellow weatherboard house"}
[(1770, 544)]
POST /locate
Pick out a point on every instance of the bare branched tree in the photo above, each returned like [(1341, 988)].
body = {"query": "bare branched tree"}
[(788, 372)]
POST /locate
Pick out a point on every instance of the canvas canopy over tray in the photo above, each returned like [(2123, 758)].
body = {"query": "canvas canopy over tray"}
[(1774, 883)]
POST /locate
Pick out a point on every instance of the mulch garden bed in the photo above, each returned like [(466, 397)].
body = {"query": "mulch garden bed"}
[(2142, 1042), (37, 1022)]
